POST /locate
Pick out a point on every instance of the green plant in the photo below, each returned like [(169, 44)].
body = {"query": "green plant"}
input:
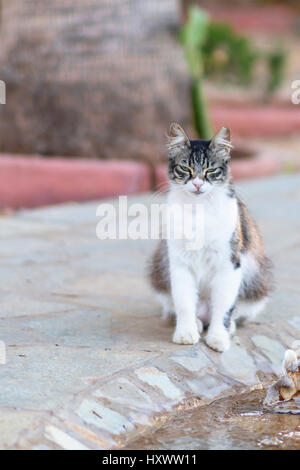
[(193, 36), (228, 55), (276, 63), (214, 49)]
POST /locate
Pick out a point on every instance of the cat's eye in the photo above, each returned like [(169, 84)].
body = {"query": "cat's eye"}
[(213, 171), (182, 172), (185, 168)]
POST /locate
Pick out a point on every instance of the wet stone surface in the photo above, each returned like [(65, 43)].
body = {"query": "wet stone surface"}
[(89, 363), (230, 423)]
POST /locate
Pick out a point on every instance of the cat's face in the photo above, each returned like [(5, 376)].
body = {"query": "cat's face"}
[(198, 166)]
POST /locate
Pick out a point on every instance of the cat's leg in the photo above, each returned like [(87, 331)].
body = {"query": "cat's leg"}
[(256, 283), (224, 291), (184, 293)]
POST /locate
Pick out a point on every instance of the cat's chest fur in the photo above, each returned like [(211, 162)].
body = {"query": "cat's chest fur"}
[(218, 222)]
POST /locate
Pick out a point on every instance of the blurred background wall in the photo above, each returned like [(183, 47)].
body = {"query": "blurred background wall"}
[(91, 78), (103, 79)]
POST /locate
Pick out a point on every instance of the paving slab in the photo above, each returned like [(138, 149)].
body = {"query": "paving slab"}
[(90, 364)]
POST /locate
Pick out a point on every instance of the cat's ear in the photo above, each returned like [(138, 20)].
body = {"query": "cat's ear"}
[(221, 143), (178, 141)]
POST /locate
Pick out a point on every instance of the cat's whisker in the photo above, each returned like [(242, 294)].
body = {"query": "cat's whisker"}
[(163, 185), (157, 194)]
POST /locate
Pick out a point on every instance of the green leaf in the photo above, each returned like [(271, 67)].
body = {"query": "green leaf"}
[(193, 34)]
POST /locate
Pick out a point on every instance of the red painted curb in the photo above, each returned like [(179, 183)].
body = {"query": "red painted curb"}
[(34, 181), (272, 19), (262, 165), (247, 120)]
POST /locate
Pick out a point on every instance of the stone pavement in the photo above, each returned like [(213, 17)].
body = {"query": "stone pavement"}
[(89, 362)]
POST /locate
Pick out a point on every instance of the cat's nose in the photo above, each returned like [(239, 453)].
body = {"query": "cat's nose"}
[(197, 183)]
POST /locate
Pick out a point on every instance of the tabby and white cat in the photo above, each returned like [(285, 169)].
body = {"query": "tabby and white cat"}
[(228, 278)]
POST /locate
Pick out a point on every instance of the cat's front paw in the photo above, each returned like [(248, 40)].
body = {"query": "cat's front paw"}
[(186, 335), (218, 340)]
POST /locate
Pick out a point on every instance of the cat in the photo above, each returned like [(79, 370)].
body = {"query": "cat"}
[(228, 279)]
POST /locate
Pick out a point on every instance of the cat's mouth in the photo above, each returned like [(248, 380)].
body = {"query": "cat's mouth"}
[(197, 192)]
